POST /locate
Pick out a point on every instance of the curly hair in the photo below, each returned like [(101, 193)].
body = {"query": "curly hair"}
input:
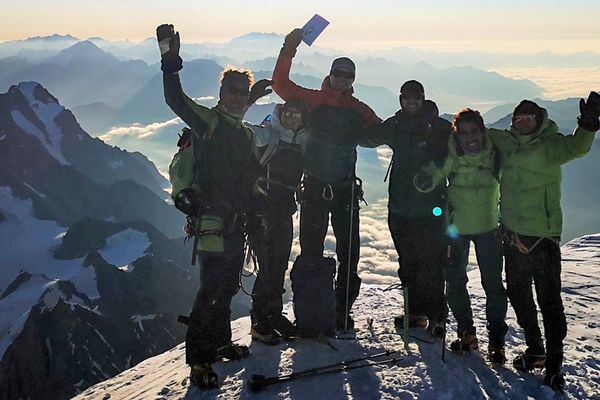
[(467, 115), (232, 70)]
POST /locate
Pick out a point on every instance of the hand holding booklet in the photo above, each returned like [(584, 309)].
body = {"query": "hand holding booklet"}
[(313, 28)]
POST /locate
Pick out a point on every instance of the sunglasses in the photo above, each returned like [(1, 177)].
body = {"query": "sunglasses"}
[(236, 91), (524, 118), (343, 74), (291, 114)]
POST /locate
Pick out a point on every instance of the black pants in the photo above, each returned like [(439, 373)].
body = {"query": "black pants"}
[(270, 232), (210, 317), (542, 266), (318, 202), (421, 247)]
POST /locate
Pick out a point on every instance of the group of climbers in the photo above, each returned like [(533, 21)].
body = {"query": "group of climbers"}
[(445, 184)]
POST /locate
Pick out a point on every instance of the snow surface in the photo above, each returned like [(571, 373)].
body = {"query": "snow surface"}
[(27, 244), (51, 139), (124, 248), (419, 374)]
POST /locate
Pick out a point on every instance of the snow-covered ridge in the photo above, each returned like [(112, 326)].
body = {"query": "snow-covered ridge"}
[(46, 109), (27, 244), (420, 373)]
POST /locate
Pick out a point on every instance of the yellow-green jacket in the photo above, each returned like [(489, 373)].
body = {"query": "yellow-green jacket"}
[(531, 175), (473, 190)]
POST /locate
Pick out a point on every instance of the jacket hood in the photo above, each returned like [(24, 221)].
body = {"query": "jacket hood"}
[(287, 135), (546, 128)]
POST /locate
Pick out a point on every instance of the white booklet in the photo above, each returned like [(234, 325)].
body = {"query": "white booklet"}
[(313, 28)]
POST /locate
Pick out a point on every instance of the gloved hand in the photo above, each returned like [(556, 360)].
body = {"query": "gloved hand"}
[(590, 112), (169, 44), (291, 42), (187, 201), (259, 89)]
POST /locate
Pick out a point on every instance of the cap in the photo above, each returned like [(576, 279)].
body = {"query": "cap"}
[(412, 86), (343, 63)]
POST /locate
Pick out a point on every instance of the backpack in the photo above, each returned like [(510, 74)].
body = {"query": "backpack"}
[(181, 169)]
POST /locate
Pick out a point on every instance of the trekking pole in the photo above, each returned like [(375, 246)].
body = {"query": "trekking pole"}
[(346, 308), (405, 320), (448, 260), (259, 382)]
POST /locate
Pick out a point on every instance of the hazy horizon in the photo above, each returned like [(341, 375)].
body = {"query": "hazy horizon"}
[(562, 26)]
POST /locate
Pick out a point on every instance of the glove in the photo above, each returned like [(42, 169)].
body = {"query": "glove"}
[(259, 89), (169, 44), (590, 112), (291, 42), (187, 201)]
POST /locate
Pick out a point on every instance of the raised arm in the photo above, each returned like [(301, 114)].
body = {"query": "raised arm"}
[(377, 135), (283, 86), (193, 114), (580, 142)]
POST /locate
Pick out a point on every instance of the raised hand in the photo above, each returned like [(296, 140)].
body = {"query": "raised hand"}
[(292, 41), (590, 112), (259, 89), (169, 44), (168, 40)]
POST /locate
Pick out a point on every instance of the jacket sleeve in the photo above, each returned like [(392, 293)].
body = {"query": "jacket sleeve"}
[(369, 116), (285, 88), (376, 135), (439, 173), (570, 147), (194, 115)]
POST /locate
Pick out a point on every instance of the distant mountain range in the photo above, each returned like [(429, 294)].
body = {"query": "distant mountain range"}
[(110, 91), (260, 45)]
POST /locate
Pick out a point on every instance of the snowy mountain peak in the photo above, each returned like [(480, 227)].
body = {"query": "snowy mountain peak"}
[(40, 123), (34, 92)]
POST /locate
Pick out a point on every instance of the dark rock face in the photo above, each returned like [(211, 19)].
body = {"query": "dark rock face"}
[(66, 348), (70, 341), (19, 280)]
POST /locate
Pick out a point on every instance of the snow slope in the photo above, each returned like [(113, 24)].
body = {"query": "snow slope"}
[(419, 374), (27, 244)]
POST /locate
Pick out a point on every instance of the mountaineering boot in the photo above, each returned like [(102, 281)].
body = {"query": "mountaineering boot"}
[(553, 375), (414, 321), (530, 359), (437, 329), (203, 376), (263, 332), (233, 352), (466, 342), (496, 356), (283, 326), (556, 382)]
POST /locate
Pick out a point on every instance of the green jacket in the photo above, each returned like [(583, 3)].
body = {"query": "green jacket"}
[(473, 191), (221, 163), (531, 176)]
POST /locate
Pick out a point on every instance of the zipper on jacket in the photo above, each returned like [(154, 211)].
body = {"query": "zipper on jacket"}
[(546, 207)]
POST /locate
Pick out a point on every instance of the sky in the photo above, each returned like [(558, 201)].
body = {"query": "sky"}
[(507, 26)]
